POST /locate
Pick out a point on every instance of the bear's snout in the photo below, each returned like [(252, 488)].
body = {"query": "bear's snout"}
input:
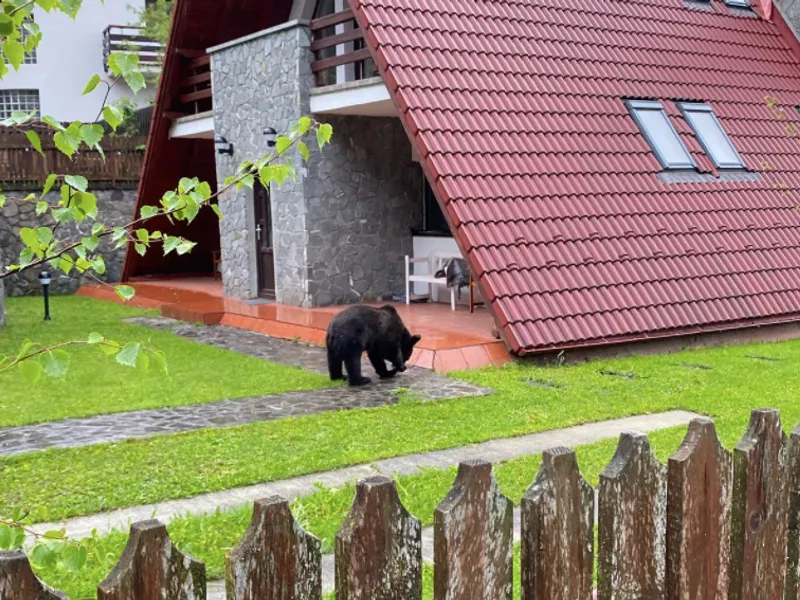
[(401, 368)]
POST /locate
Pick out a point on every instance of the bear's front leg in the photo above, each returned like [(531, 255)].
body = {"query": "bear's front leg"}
[(380, 366), (353, 366)]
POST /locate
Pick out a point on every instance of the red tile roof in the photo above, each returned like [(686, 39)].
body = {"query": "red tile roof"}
[(516, 108)]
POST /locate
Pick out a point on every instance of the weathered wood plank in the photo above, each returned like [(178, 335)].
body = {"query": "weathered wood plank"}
[(474, 538), (152, 568), (700, 479), (18, 582), (379, 547), (793, 552), (558, 531), (759, 514), (632, 523), (276, 559)]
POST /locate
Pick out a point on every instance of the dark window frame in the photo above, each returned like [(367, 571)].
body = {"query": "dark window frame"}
[(434, 222), (634, 107), (687, 108)]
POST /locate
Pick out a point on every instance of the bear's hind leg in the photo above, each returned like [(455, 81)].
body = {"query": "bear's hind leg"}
[(353, 365), (335, 365), (380, 366)]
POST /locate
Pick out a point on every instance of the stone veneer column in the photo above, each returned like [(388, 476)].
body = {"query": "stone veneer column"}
[(2, 292), (263, 80)]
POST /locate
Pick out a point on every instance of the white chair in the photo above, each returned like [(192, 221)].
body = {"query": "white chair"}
[(435, 262)]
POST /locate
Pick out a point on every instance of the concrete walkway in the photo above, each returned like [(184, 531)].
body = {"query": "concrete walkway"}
[(495, 451)]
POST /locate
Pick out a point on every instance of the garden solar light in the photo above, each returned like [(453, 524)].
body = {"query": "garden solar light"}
[(271, 136), (223, 146), (44, 278)]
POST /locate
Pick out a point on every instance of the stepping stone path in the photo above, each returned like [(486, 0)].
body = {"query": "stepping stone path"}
[(416, 382)]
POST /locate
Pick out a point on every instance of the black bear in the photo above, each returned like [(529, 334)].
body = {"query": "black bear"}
[(378, 331)]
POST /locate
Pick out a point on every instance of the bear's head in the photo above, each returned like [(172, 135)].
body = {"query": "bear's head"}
[(407, 344)]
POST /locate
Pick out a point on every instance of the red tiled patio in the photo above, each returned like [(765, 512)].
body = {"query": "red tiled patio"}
[(451, 340)]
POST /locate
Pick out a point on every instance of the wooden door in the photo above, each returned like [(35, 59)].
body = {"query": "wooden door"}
[(265, 256)]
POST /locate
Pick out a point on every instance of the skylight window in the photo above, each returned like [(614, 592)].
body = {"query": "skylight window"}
[(660, 134), (711, 135), (738, 3)]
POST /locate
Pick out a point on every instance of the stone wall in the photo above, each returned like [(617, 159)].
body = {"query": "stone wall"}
[(342, 227), (364, 195), (114, 207), (259, 81), (790, 9), (2, 294)]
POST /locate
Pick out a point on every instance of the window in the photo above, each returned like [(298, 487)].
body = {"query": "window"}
[(738, 3), (660, 134), (711, 135), (11, 100), (432, 216)]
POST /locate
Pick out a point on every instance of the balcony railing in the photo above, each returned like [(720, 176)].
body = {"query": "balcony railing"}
[(195, 87), (339, 52), (128, 40)]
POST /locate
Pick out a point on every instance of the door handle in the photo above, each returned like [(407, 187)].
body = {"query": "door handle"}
[(258, 232)]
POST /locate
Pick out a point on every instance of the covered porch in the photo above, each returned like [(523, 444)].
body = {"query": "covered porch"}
[(451, 340)]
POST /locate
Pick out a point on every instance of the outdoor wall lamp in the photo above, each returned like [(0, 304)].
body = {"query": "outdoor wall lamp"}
[(222, 145), (271, 136), (44, 279)]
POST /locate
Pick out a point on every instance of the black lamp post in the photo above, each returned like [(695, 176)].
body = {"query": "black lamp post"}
[(271, 136), (44, 279)]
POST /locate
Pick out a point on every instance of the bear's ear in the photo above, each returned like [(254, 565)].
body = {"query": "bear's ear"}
[(415, 339)]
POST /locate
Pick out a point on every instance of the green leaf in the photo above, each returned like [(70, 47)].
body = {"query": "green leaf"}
[(71, 7), (170, 243), (98, 228), (282, 144), (25, 257), (204, 190), (140, 248), (15, 53), (160, 358), (92, 134), (93, 83), (185, 247), (31, 371), (47, 5), (90, 243), (49, 183), (95, 338), (44, 235), (303, 125), (41, 208), (149, 212), (125, 292), (187, 185), (6, 25), (62, 215), (326, 131), (65, 263), (84, 205), (99, 265), (56, 363), (74, 557), (65, 143), (29, 237), (113, 116), (6, 537), (53, 123), (303, 150), (217, 210), (127, 357), (143, 362), (44, 557), (78, 182), (2, 200), (135, 81), (143, 235), (35, 141), (110, 347)]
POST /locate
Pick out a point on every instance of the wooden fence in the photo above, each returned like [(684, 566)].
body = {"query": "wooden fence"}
[(21, 167), (710, 525)]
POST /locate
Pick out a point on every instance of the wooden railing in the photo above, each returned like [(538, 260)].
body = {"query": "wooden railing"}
[(710, 524), (21, 167), (128, 40), (339, 52), (195, 86)]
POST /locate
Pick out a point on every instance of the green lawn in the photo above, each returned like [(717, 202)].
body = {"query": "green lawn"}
[(96, 384), (104, 477)]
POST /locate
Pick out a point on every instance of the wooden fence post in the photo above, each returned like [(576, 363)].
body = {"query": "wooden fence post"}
[(759, 515), (379, 547), (474, 538), (18, 582), (700, 479), (558, 531), (276, 559), (793, 550), (152, 568), (632, 523)]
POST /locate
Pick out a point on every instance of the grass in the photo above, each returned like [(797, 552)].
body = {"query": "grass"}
[(96, 384), (210, 537), (59, 484)]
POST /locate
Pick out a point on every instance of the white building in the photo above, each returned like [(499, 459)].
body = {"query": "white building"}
[(71, 51)]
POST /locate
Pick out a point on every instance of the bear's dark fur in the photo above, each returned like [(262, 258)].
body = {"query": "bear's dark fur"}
[(378, 331)]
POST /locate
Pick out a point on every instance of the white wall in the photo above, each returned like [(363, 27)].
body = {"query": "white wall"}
[(69, 54)]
